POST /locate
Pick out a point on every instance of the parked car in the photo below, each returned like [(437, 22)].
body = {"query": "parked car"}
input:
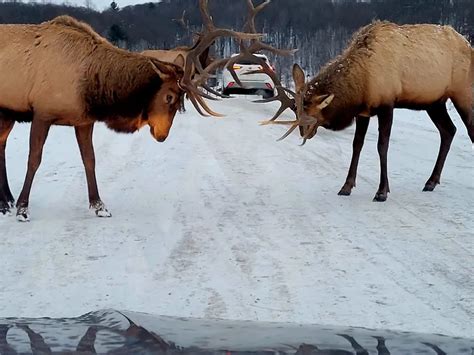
[(253, 84)]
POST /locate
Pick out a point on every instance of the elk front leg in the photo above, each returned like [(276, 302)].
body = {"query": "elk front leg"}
[(385, 117), (84, 140), (38, 134), (6, 197), (362, 123)]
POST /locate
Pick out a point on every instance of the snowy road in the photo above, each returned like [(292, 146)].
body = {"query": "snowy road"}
[(221, 221)]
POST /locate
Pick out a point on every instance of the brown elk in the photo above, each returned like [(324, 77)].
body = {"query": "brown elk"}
[(61, 72), (388, 66)]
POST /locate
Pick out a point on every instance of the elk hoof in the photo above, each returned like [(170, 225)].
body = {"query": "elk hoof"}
[(100, 209), (5, 209), (380, 197), (345, 191), (22, 214), (430, 186)]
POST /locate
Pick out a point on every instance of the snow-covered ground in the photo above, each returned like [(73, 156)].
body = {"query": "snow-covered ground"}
[(222, 221)]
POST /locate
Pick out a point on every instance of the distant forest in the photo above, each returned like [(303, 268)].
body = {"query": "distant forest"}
[(320, 29)]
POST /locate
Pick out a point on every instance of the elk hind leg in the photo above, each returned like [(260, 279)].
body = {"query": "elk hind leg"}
[(440, 117), (464, 105), (6, 197)]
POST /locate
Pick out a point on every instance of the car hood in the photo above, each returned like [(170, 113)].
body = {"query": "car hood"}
[(123, 332)]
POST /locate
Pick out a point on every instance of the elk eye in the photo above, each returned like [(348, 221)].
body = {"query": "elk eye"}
[(169, 99)]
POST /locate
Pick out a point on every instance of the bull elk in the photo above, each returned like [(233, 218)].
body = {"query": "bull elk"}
[(61, 72), (388, 66)]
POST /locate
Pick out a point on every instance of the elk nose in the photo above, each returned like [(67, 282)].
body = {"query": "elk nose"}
[(159, 137)]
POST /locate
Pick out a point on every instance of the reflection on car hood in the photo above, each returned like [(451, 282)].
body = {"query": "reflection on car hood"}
[(114, 332)]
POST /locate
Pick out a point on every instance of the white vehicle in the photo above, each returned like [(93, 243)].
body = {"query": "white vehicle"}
[(253, 84)]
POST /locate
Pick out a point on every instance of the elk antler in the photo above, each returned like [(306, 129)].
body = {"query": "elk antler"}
[(288, 99), (193, 65), (248, 53), (302, 119)]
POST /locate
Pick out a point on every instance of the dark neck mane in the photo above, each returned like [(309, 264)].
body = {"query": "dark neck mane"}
[(118, 84), (115, 83), (344, 77)]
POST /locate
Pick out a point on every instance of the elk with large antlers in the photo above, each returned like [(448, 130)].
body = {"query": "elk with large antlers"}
[(388, 66), (61, 72)]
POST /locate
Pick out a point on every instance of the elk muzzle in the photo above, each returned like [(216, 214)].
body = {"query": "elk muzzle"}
[(160, 126)]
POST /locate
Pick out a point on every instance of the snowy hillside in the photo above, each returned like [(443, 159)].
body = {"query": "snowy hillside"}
[(222, 221)]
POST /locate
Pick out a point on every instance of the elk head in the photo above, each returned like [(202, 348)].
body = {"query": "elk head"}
[(163, 107), (309, 108)]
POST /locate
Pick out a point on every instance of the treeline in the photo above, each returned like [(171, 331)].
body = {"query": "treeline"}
[(320, 29)]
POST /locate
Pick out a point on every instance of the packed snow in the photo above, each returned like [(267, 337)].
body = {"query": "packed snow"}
[(222, 221)]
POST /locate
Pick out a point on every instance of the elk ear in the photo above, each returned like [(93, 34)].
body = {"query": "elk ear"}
[(325, 101), (298, 77), (179, 61)]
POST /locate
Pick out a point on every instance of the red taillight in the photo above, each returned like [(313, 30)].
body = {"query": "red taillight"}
[(269, 86), (231, 84)]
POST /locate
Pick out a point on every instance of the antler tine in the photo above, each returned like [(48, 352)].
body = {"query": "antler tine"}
[(285, 101), (255, 46), (285, 104), (230, 65), (259, 46), (253, 12), (206, 17), (293, 127), (214, 92)]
